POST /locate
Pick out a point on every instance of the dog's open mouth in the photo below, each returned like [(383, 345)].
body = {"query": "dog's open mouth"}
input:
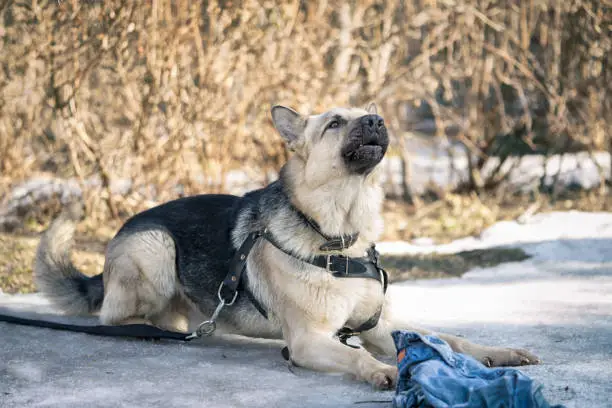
[(362, 158), (366, 144), (370, 151)]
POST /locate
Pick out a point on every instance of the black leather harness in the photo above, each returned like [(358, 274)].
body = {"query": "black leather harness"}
[(339, 266)]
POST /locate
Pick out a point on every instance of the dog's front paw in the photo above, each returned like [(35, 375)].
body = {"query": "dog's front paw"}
[(384, 378), (502, 357)]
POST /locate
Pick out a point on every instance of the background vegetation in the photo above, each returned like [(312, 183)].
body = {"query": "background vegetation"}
[(144, 101), (168, 95)]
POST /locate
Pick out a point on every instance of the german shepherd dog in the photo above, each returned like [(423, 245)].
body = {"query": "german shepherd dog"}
[(168, 262)]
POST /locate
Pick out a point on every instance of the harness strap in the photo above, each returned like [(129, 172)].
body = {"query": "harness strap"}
[(232, 280), (341, 266), (346, 333), (245, 288), (337, 243)]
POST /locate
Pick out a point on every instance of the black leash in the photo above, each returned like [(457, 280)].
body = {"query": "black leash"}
[(139, 331)]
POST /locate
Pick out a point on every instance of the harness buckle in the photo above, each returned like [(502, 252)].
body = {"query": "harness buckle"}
[(329, 263)]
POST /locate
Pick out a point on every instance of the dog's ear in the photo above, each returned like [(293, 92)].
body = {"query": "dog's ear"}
[(371, 108), (289, 124)]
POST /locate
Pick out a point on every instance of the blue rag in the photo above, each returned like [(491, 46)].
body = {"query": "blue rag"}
[(432, 375)]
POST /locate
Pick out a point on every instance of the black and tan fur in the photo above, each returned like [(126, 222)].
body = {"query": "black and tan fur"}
[(167, 263)]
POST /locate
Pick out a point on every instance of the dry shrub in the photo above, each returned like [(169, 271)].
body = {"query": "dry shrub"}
[(513, 77), (167, 96)]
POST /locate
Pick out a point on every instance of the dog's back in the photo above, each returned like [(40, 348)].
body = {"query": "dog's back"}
[(185, 242), (200, 228)]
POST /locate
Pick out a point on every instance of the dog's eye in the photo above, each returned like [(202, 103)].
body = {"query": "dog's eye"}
[(333, 124)]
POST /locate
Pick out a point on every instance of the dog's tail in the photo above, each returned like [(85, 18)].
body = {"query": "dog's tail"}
[(54, 273)]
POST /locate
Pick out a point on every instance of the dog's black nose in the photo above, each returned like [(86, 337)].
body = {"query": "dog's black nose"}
[(372, 122), (373, 129)]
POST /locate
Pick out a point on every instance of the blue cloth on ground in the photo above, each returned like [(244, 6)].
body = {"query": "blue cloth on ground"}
[(432, 375)]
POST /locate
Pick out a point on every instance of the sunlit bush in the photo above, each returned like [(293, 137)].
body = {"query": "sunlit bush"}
[(176, 93)]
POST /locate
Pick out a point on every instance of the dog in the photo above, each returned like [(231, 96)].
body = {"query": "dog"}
[(169, 261)]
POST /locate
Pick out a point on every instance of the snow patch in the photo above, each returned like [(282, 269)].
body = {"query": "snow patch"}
[(540, 229)]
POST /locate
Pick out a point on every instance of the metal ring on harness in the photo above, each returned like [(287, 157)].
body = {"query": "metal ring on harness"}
[(208, 327)]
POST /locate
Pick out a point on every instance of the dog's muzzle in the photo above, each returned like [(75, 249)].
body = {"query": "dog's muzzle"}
[(366, 144)]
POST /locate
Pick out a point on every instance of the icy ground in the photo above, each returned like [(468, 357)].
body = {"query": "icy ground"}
[(558, 304)]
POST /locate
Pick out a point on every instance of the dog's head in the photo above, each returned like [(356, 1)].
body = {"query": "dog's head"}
[(341, 141)]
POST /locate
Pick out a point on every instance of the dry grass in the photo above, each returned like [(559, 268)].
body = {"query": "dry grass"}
[(17, 254), (16, 260), (170, 94)]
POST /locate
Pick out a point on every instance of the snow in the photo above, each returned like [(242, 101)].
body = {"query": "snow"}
[(557, 304), (433, 164), (538, 228), (428, 163)]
